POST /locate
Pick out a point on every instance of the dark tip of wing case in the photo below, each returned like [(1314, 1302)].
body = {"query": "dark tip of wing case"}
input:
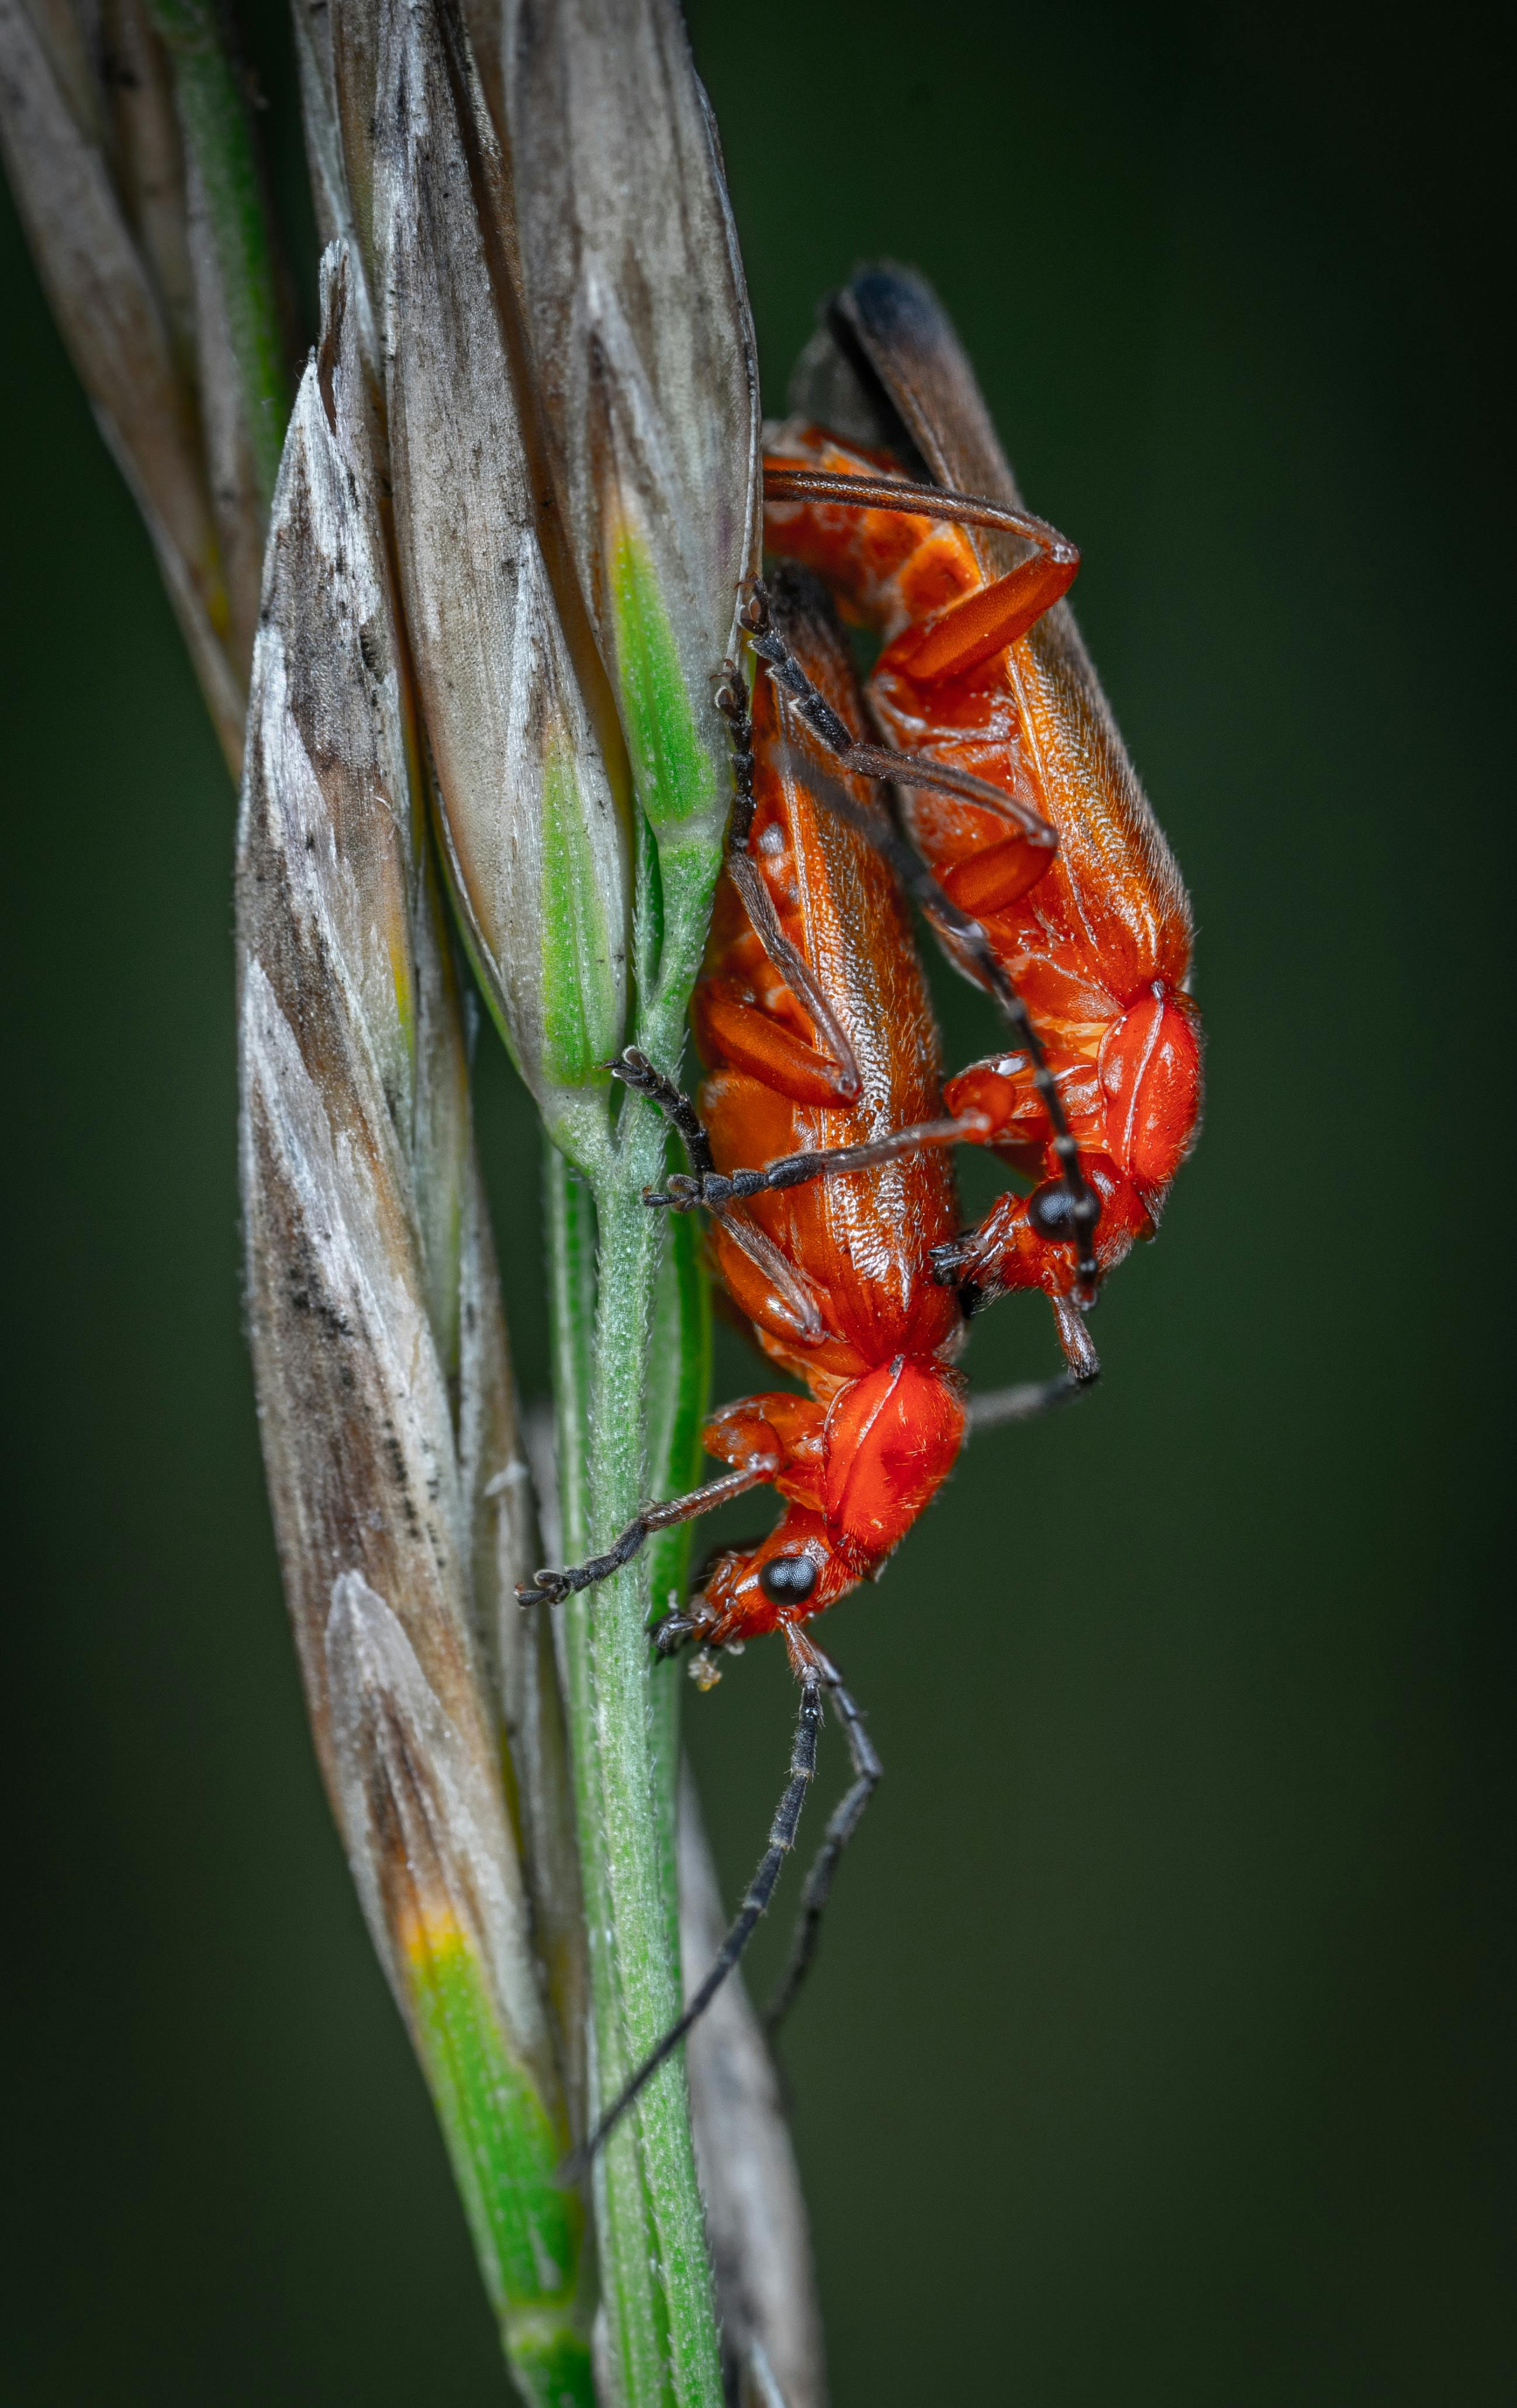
[(837, 383)]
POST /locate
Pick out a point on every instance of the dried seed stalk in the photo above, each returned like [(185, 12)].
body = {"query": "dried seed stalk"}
[(380, 1356)]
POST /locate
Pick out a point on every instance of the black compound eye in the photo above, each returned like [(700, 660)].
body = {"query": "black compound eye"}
[(1051, 1208), (788, 1580)]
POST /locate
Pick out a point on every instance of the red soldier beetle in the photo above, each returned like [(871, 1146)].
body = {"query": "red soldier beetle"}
[(1036, 855), (822, 1056), (891, 485)]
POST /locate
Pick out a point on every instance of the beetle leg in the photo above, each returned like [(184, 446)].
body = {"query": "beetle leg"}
[(774, 1423), (868, 1774), (635, 1070), (878, 761), (835, 1054), (784, 484), (983, 624), (761, 1889), (727, 1021), (714, 1190), (549, 1586), (1029, 1398), (793, 1291), (833, 1058)]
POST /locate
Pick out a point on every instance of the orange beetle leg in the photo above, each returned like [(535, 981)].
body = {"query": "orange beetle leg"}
[(995, 878), (1003, 1090), (787, 1427), (730, 1029), (984, 624), (786, 1309)]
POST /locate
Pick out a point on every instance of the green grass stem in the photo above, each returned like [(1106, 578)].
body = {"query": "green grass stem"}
[(654, 2268)]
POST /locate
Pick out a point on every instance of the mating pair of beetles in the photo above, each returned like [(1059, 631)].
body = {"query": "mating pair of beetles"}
[(1003, 803)]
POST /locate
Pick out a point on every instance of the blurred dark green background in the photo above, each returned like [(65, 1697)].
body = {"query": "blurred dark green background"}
[(1159, 2049)]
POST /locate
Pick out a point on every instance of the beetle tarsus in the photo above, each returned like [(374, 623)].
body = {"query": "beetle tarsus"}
[(634, 1068), (549, 1586)]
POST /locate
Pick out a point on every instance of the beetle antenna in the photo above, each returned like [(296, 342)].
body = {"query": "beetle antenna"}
[(761, 1889), (868, 1774)]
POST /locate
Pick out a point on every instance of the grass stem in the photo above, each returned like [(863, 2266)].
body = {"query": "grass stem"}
[(656, 2271)]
